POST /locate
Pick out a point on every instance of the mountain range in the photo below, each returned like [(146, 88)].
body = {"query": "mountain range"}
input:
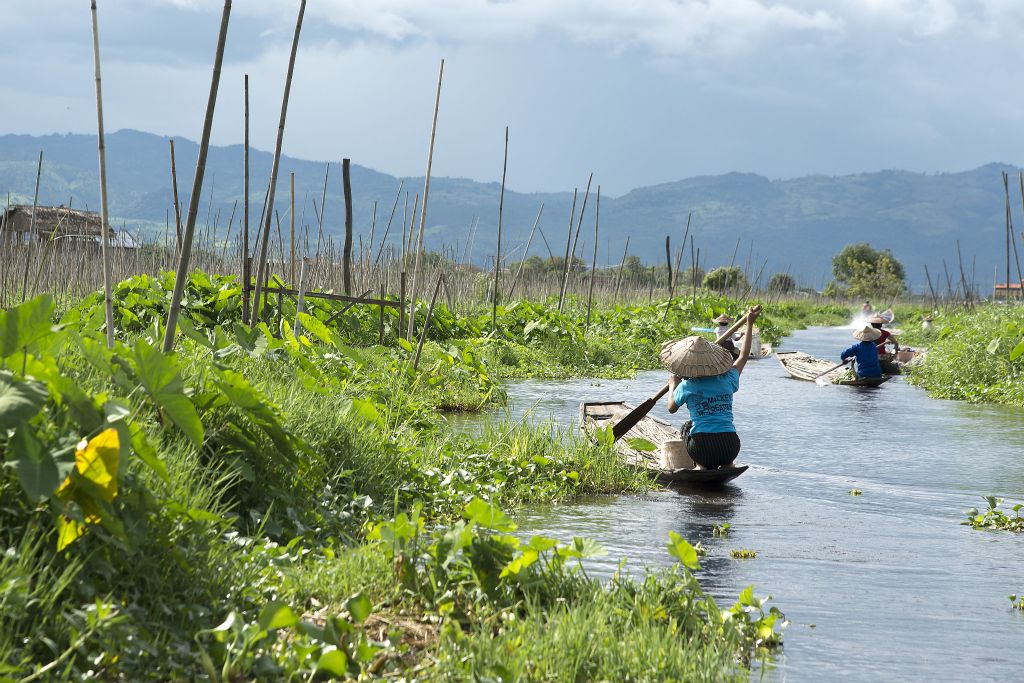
[(793, 225)]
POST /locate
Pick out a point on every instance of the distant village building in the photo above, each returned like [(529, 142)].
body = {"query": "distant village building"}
[(1005, 291), (53, 223)]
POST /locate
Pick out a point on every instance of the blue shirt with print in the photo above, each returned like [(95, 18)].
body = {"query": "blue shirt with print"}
[(867, 358), (709, 400)]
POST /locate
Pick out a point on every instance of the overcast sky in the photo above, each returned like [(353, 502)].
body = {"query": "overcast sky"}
[(638, 92)]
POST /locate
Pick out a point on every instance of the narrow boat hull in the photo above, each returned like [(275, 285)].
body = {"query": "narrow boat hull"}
[(597, 415), (806, 367)]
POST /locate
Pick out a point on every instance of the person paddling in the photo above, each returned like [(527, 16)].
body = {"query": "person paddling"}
[(865, 352), (723, 321), (885, 337), (704, 378)]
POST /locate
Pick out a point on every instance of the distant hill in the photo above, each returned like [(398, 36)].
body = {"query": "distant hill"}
[(797, 224)]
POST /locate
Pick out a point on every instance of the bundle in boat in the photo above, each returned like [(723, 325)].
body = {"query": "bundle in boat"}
[(661, 435), (804, 366)]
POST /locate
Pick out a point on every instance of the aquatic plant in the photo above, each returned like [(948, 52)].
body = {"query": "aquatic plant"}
[(1016, 603), (994, 518), (721, 530), (856, 492), (742, 554)]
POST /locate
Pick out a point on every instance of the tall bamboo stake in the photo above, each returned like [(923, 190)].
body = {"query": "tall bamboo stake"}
[(291, 240), (572, 252), (384, 238), (32, 223), (526, 252), (177, 203), (426, 193), (497, 255), (197, 187), (261, 267), (668, 283), (568, 243), (618, 276), (108, 298), (346, 181), (593, 265), (245, 211)]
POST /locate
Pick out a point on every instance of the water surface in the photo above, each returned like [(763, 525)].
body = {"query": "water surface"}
[(883, 586)]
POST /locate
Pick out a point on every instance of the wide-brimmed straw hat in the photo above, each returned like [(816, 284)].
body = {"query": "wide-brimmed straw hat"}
[(722, 319), (877, 320), (867, 333), (695, 357)]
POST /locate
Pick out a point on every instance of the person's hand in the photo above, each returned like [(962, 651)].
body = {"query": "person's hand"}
[(753, 313), (673, 381)]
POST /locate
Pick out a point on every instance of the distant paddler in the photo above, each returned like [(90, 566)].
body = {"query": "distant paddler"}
[(704, 378), (885, 357), (865, 352), (926, 322), (866, 311), (723, 321)]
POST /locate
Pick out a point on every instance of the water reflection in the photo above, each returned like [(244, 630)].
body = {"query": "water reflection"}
[(896, 588)]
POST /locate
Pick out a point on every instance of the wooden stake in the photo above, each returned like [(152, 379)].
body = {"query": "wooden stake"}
[(177, 203), (35, 207), (568, 243), (497, 256), (246, 275), (526, 252), (261, 265), (108, 298), (426, 194), (291, 240), (593, 265), (197, 187), (346, 181)]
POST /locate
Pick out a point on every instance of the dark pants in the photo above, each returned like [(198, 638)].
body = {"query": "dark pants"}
[(711, 450)]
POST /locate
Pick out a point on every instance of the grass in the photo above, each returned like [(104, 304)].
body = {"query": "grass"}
[(242, 528), (975, 356)]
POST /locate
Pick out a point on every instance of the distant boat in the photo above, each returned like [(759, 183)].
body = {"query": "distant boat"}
[(804, 366)]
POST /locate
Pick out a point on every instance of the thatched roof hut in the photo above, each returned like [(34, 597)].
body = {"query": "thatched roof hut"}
[(51, 222)]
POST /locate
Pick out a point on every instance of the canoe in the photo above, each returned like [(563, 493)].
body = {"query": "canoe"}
[(804, 366), (596, 415)]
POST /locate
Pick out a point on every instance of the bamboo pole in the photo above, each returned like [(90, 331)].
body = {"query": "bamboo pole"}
[(35, 207), (261, 266), (246, 276), (526, 252), (497, 255), (426, 193), (177, 203), (572, 252), (426, 323), (387, 228), (291, 239), (593, 265), (568, 243), (197, 187), (346, 181), (618, 275), (108, 298), (300, 304)]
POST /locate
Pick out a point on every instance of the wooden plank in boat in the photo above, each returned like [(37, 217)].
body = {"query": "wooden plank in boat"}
[(596, 415)]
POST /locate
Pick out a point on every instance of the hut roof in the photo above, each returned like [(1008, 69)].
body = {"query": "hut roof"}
[(55, 221)]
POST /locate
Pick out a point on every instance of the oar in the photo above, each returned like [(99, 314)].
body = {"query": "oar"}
[(638, 413), (820, 378)]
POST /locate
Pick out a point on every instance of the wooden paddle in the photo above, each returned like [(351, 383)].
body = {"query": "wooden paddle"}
[(835, 367), (620, 428)]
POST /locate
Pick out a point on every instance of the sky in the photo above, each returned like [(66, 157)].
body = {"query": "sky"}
[(639, 93)]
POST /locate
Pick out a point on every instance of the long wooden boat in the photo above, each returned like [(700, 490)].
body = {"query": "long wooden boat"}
[(804, 366), (596, 415)]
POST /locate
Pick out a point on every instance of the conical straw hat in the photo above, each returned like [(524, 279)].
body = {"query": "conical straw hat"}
[(867, 333), (695, 357), (722, 319), (877, 320)]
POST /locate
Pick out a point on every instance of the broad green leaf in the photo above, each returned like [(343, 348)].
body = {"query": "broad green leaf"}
[(520, 563), (333, 662), (747, 597), (68, 531), (97, 462), (316, 328), (277, 615), (24, 324), (642, 445), (680, 548), (993, 345), (36, 469), (366, 410), (404, 343), (146, 452), (20, 401), (158, 374), (488, 516), (1017, 351), (359, 607)]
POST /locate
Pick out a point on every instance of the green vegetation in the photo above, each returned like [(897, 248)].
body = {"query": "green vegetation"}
[(975, 355), (994, 518), (267, 504), (742, 554), (782, 283), (856, 492), (725, 278), (863, 271), (1016, 603)]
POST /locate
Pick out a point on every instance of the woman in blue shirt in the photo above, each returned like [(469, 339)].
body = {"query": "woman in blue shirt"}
[(704, 378), (865, 352)]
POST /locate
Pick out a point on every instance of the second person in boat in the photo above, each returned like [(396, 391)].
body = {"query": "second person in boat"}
[(865, 352), (704, 378)]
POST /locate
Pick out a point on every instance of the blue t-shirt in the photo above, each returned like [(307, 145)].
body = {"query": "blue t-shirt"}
[(866, 354), (709, 400)]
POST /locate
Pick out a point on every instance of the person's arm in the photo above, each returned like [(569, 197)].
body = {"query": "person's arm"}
[(673, 382), (848, 352), (741, 362)]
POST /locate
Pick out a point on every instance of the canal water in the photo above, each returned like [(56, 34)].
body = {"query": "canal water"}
[(887, 585)]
